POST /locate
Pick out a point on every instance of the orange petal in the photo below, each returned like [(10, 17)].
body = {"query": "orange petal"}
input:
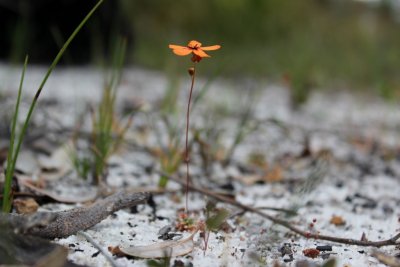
[(176, 46), (200, 53), (194, 44), (212, 47), (184, 51)]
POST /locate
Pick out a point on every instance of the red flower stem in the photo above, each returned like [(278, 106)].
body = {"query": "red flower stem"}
[(187, 159)]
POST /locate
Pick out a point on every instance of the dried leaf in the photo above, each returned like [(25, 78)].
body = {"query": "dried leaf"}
[(116, 251), (258, 160), (386, 259), (248, 179), (162, 249), (311, 252), (57, 165), (25, 205), (274, 175), (337, 220)]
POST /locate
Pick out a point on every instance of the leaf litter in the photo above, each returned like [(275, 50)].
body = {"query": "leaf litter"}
[(334, 162)]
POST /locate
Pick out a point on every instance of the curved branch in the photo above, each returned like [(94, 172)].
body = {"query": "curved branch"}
[(388, 242)]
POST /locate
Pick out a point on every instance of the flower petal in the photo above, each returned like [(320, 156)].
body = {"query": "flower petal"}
[(183, 51), (194, 44), (212, 47), (200, 53), (176, 46)]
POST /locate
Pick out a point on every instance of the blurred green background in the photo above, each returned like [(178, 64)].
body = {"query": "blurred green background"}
[(310, 43), (307, 43)]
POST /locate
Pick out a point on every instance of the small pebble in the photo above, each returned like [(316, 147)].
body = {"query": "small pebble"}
[(95, 254), (324, 248)]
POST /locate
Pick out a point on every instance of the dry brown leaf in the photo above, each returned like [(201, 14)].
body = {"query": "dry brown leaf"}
[(337, 220), (271, 175), (274, 175), (116, 251), (248, 179), (25, 205), (220, 154), (386, 259), (311, 253), (162, 249)]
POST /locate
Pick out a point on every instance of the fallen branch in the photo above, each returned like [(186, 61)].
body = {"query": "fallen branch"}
[(388, 242), (65, 223)]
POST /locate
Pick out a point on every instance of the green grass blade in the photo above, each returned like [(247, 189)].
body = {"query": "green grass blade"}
[(6, 208), (10, 155), (104, 144), (15, 116)]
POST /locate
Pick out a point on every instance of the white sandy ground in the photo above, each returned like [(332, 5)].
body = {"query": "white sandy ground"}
[(326, 116)]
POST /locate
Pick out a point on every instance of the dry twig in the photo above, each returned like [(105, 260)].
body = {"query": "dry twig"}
[(388, 242), (65, 223)]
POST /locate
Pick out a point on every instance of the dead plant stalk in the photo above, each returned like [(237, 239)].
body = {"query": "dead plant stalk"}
[(392, 241)]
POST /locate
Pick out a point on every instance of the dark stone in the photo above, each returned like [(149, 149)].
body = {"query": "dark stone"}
[(94, 255), (387, 209), (324, 248), (228, 186), (178, 263)]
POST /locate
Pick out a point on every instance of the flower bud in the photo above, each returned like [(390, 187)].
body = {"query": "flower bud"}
[(191, 71)]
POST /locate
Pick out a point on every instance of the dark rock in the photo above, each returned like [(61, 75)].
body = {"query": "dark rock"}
[(324, 248)]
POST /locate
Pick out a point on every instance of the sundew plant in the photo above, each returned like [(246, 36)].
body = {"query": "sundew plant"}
[(195, 48)]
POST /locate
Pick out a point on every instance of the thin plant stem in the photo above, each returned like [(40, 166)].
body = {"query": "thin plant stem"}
[(192, 73)]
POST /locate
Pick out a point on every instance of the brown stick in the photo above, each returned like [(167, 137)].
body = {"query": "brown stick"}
[(69, 222), (388, 242)]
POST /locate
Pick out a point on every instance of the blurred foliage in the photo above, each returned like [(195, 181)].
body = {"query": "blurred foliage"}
[(309, 43), (305, 44)]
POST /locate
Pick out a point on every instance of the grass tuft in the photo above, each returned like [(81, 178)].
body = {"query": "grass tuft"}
[(108, 133), (13, 153)]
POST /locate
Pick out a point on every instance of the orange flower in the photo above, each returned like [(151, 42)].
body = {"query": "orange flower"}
[(195, 48)]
